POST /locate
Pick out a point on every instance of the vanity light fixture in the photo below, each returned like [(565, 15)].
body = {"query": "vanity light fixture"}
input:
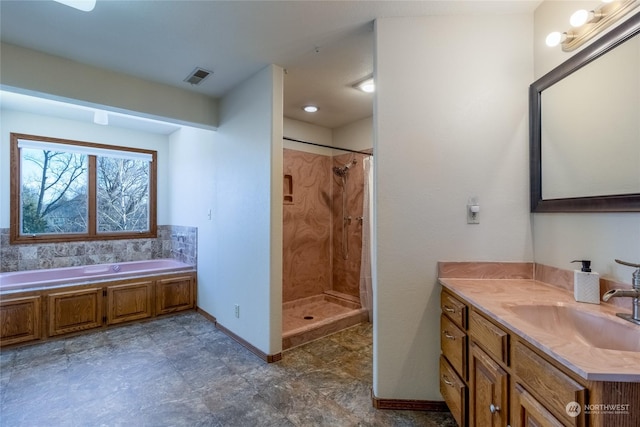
[(588, 24), (310, 108), (83, 5)]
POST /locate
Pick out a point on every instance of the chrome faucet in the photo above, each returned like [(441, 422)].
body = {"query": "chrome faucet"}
[(634, 293)]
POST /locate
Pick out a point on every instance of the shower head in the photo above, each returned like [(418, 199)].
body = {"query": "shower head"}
[(344, 170)]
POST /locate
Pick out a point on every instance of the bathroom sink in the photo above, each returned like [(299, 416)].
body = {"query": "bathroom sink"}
[(587, 328)]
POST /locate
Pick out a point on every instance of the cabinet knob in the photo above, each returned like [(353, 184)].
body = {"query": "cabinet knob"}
[(493, 408)]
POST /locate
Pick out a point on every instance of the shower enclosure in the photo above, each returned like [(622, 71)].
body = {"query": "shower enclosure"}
[(322, 243)]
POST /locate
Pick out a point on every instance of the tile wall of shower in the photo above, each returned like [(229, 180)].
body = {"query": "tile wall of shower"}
[(313, 252)]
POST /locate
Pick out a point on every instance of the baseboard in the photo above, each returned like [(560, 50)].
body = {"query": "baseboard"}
[(409, 405), (269, 358), (207, 316)]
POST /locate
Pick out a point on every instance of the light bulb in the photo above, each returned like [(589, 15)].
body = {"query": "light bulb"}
[(367, 86), (553, 39), (579, 18), (310, 108)]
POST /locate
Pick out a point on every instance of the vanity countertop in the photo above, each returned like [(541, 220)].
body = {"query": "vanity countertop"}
[(496, 298)]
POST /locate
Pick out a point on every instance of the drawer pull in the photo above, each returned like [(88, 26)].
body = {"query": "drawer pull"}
[(493, 408), (449, 309), (447, 382), (448, 335)]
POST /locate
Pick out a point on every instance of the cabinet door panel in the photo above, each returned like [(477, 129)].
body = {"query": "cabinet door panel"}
[(175, 294), (20, 320), (128, 302), (489, 391), (530, 412), (73, 311), (550, 386)]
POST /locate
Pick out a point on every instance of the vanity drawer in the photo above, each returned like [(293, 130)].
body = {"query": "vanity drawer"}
[(454, 308), (453, 342), (454, 391), (490, 336), (548, 384)]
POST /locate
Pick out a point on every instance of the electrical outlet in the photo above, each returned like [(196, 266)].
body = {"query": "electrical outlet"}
[(237, 311)]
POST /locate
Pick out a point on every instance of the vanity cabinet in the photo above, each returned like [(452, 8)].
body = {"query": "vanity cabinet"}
[(490, 377), (454, 359)]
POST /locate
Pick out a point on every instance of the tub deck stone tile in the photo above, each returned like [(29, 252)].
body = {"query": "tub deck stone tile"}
[(181, 371)]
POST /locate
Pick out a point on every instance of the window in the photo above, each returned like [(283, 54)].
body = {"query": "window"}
[(65, 190)]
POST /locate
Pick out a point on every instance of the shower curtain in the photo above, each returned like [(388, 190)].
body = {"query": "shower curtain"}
[(366, 292)]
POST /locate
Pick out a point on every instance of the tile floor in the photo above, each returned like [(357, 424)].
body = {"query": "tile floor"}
[(182, 371)]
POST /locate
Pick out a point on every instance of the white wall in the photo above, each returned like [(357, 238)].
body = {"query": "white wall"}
[(192, 194), (451, 122), (562, 237), (13, 121), (307, 132), (247, 167), (355, 136)]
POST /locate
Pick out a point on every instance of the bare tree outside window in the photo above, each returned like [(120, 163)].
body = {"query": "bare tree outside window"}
[(75, 191), (123, 188), (54, 192)]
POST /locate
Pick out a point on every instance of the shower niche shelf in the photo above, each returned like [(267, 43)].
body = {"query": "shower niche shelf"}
[(288, 189)]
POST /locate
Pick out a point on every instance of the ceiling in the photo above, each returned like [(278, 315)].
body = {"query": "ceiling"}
[(324, 46)]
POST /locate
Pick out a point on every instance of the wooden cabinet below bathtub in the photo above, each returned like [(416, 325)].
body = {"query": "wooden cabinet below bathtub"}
[(175, 294), (73, 311), (20, 320), (47, 313), (130, 301)]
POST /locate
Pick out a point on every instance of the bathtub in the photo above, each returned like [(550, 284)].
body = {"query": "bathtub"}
[(52, 277)]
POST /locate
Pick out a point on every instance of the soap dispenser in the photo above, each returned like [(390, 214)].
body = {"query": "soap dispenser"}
[(586, 284)]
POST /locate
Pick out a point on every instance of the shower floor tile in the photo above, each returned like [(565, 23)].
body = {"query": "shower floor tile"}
[(308, 319), (309, 312)]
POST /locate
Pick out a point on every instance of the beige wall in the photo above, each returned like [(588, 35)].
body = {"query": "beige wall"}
[(52, 77), (562, 237), (451, 122)]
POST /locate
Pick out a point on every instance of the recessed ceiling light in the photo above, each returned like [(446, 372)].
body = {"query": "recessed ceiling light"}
[(367, 86), (310, 108)]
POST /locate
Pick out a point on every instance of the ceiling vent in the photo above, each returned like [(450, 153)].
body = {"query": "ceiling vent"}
[(197, 76)]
